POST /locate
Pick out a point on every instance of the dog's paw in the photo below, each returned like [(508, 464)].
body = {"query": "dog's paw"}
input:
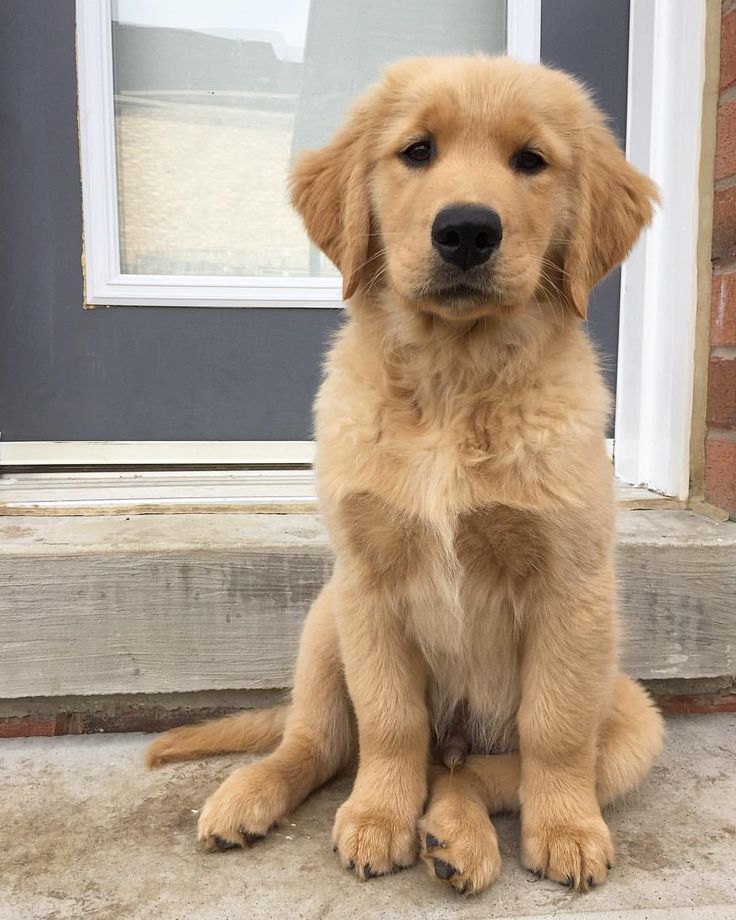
[(459, 845), (577, 855), (373, 842), (243, 809)]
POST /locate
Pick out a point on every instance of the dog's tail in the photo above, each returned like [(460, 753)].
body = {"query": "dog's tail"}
[(255, 731)]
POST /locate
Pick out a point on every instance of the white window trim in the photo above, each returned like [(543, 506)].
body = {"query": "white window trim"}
[(659, 282), (105, 284)]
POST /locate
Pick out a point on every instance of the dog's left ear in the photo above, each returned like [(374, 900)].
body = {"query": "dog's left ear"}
[(329, 190), (615, 203)]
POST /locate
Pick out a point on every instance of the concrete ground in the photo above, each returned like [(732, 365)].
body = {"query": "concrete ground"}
[(86, 833)]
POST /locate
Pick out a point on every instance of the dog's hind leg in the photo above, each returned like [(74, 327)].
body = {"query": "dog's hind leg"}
[(318, 741), (629, 741)]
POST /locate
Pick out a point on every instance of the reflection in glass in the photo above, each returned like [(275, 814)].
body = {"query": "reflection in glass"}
[(213, 99)]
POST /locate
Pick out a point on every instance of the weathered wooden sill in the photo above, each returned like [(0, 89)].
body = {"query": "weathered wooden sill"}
[(171, 603)]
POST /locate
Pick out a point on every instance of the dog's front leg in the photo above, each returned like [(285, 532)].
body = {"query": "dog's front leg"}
[(375, 830), (567, 673)]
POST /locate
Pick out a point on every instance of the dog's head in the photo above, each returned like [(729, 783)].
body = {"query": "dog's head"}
[(472, 185)]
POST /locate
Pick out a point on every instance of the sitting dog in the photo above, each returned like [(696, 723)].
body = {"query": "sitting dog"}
[(471, 204)]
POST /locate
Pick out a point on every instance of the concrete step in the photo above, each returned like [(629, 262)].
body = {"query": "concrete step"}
[(171, 603), (90, 834)]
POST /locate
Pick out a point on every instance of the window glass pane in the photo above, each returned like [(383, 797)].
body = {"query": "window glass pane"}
[(214, 97)]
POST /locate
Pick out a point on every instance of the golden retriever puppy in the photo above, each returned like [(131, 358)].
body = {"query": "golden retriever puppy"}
[(471, 204)]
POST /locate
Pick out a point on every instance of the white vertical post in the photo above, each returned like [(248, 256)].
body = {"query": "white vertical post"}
[(659, 283), (523, 29)]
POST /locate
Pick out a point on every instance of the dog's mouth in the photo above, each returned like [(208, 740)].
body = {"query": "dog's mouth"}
[(448, 287), (458, 295)]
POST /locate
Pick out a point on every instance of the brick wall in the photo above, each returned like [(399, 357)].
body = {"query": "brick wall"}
[(720, 443)]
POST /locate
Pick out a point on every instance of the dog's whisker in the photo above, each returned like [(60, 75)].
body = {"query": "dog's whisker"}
[(377, 255)]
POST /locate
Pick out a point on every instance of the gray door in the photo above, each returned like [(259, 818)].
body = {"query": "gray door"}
[(182, 373)]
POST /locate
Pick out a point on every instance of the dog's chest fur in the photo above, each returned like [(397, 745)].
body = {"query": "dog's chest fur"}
[(458, 581)]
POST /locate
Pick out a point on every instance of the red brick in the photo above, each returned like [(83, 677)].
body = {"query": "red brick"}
[(720, 473), (723, 310), (728, 50), (724, 226), (684, 704), (721, 411), (726, 140), (27, 726)]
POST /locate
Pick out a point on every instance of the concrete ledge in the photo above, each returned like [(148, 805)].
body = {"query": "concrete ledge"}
[(171, 603)]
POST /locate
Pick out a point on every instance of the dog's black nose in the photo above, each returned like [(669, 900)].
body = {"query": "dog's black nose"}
[(466, 235)]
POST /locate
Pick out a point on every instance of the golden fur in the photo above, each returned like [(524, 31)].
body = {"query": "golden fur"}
[(463, 477)]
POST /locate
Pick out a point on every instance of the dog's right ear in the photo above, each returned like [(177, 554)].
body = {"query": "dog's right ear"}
[(615, 203), (329, 190)]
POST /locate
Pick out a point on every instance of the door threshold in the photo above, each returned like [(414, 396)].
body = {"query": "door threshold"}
[(269, 491), (147, 492)]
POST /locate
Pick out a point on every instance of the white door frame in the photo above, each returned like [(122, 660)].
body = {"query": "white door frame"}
[(656, 349)]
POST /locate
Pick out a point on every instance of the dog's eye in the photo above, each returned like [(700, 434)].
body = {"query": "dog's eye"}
[(418, 154), (528, 161)]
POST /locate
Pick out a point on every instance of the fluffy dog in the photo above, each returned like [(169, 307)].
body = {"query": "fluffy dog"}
[(471, 204)]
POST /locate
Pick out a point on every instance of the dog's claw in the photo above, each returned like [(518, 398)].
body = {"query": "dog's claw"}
[(222, 844), (443, 869)]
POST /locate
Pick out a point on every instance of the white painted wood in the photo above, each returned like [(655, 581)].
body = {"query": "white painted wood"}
[(122, 453), (101, 258), (659, 284), (524, 29), (208, 291), (105, 285), (173, 603)]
